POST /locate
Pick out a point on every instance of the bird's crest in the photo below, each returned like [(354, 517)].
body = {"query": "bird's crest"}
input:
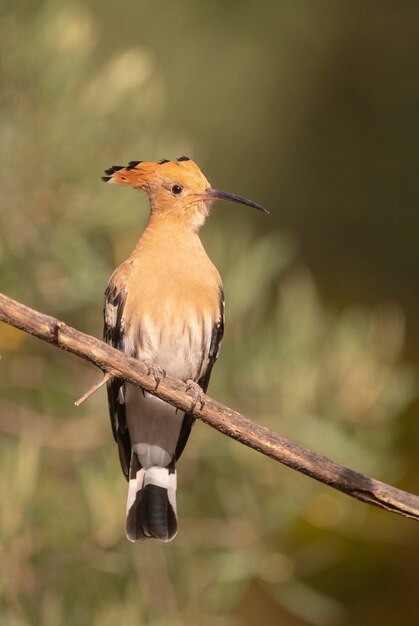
[(141, 174)]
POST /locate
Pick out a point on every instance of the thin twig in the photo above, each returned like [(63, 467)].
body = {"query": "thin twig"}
[(218, 416), (93, 389)]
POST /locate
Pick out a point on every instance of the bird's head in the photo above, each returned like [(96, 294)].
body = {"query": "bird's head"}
[(175, 188)]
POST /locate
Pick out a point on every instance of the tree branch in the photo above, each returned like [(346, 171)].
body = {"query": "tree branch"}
[(213, 413)]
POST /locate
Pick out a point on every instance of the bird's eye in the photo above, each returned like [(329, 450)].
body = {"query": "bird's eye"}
[(176, 190)]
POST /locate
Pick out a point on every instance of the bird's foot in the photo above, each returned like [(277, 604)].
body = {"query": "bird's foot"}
[(155, 370), (197, 393)]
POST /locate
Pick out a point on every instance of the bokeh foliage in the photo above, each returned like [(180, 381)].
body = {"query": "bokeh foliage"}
[(257, 542)]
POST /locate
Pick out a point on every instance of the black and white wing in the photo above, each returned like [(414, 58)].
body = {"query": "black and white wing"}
[(216, 337), (203, 382), (113, 334)]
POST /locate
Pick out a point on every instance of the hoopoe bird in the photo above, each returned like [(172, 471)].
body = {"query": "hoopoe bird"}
[(165, 306)]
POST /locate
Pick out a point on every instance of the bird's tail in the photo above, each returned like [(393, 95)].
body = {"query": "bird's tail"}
[(151, 505)]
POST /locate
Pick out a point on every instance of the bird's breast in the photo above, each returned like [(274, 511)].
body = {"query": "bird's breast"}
[(170, 316)]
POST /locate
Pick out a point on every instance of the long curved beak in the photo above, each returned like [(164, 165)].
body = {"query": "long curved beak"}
[(217, 194)]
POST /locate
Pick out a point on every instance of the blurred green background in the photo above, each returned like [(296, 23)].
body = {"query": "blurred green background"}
[(312, 109)]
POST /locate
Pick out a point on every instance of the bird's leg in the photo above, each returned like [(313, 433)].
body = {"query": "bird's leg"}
[(155, 370), (197, 393)]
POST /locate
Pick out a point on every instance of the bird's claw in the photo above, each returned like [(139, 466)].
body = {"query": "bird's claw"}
[(155, 370), (198, 394)]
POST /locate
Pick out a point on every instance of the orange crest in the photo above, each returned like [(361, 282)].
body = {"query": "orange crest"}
[(147, 175)]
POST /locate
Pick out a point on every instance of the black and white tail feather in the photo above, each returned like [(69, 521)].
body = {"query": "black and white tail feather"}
[(151, 504)]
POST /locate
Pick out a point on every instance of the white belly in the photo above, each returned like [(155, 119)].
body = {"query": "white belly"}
[(182, 349)]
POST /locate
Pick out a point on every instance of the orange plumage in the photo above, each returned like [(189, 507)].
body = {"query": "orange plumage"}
[(164, 305)]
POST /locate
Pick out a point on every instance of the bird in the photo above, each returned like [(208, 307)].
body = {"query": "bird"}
[(164, 305)]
